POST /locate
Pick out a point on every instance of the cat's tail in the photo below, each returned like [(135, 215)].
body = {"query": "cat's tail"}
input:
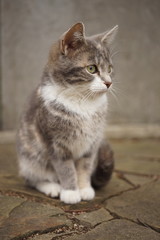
[(105, 166)]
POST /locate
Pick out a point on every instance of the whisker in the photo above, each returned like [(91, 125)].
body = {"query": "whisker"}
[(113, 93), (120, 91), (114, 54), (86, 96)]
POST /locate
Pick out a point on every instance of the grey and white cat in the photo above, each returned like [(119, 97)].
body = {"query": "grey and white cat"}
[(60, 142)]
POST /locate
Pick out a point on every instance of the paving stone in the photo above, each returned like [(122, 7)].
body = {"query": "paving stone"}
[(47, 236), (139, 205), (138, 165), (139, 157), (8, 159), (138, 180), (146, 148), (95, 217), (28, 217), (142, 157), (7, 204), (83, 206), (58, 233), (114, 187), (118, 230)]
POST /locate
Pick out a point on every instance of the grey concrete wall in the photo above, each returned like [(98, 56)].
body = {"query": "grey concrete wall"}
[(30, 26)]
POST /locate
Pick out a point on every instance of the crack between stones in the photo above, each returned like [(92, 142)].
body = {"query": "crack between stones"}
[(156, 229), (78, 227), (78, 232), (120, 193), (137, 174), (33, 233), (138, 222), (28, 197), (15, 208), (64, 236), (124, 178)]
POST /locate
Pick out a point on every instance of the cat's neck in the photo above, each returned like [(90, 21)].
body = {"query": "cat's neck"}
[(73, 101)]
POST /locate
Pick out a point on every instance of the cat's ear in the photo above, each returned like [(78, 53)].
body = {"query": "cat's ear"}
[(72, 39), (109, 36)]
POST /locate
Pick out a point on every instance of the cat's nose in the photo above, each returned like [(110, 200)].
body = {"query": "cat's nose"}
[(108, 84)]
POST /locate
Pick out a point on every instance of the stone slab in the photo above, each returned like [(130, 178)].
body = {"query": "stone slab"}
[(138, 205), (48, 236), (141, 157), (138, 165), (138, 180), (114, 187), (7, 204), (118, 230), (95, 217), (148, 148), (8, 159), (26, 217)]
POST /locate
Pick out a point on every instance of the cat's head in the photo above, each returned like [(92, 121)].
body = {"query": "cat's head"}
[(83, 63)]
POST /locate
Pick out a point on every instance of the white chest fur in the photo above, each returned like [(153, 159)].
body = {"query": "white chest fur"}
[(72, 101)]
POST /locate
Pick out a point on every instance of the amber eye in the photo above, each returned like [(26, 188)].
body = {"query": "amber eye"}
[(92, 69), (110, 68)]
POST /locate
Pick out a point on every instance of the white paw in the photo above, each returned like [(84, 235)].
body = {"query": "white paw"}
[(87, 193), (49, 188), (70, 196)]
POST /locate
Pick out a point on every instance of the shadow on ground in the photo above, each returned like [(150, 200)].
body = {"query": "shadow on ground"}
[(128, 208)]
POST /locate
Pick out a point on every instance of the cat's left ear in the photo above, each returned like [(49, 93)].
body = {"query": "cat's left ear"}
[(72, 39), (109, 36)]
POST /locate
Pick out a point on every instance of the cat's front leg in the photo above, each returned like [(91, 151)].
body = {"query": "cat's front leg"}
[(84, 171), (67, 176)]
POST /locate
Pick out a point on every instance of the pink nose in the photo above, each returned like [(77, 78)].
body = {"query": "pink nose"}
[(108, 84)]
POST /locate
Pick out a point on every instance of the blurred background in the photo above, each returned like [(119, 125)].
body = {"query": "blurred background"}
[(28, 29)]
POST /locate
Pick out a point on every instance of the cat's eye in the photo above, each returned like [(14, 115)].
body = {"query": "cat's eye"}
[(92, 69), (110, 68)]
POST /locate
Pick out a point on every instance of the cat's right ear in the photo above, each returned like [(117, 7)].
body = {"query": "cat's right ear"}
[(72, 39)]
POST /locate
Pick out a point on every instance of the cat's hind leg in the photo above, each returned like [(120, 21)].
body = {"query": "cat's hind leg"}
[(105, 166), (39, 177)]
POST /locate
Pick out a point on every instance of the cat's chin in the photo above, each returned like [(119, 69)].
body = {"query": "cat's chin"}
[(100, 93)]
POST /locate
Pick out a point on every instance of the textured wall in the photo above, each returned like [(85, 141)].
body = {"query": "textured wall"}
[(29, 28)]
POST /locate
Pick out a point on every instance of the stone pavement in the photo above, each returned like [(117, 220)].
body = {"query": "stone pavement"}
[(128, 208)]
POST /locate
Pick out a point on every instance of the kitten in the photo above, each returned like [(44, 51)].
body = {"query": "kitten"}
[(60, 142)]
